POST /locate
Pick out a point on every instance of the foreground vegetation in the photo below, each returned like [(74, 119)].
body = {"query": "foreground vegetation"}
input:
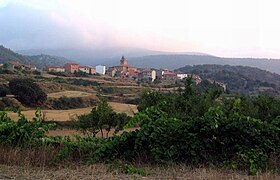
[(186, 127)]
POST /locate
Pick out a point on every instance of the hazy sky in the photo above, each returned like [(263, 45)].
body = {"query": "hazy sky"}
[(236, 28)]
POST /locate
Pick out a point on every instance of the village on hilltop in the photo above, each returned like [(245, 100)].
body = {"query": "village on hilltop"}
[(123, 71)]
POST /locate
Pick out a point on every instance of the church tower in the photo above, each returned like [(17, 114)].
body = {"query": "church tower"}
[(123, 61)]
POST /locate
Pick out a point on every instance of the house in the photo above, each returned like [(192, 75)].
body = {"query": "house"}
[(15, 65), (147, 73), (29, 67), (196, 78), (85, 69), (111, 71), (133, 74), (100, 69), (181, 76), (55, 69), (165, 74), (92, 70), (71, 67), (18, 66), (169, 76)]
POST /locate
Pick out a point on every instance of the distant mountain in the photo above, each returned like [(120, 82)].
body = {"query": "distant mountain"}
[(40, 61), (147, 58), (107, 56), (174, 61), (238, 79)]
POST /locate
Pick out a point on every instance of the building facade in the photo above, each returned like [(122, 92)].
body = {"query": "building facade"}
[(100, 69), (55, 69), (149, 74), (85, 69), (181, 76), (71, 67)]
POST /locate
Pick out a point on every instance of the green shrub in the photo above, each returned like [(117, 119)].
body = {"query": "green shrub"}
[(3, 91), (36, 72), (71, 102), (27, 92), (22, 132), (79, 82), (101, 118)]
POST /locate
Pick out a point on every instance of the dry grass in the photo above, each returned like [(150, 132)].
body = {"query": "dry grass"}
[(57, 115), (102, 171), (69, 94), (65, 115), (129, 109)]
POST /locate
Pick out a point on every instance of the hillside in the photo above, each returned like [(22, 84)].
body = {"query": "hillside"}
[(174, 61), (45, 60), (40, 61), (239, 79), (8, 55)]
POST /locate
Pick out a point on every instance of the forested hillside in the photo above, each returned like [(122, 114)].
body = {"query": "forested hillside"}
[(45, 60), (40, 61), (175, 61), (239, 79), (8, 55)]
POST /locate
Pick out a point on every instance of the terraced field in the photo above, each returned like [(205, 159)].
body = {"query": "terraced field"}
[(69, 94), (65, 115)]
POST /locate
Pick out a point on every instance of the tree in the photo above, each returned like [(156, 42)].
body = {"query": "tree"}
[(103, 114), (27, 92), (102, 117), (149, 98), (3, 91)]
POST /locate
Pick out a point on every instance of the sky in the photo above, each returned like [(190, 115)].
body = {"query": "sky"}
[(228, 28)]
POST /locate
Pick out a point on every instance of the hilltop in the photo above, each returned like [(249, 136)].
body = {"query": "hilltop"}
[(239, 79)]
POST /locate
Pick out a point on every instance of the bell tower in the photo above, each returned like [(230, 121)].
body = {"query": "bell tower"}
[(123, 61)]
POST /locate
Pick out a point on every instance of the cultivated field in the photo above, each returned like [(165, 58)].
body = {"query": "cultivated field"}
[(69, 94), (65, 115)]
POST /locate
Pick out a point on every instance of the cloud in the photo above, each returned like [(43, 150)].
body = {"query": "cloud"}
[(226, 28), (24, 27)]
